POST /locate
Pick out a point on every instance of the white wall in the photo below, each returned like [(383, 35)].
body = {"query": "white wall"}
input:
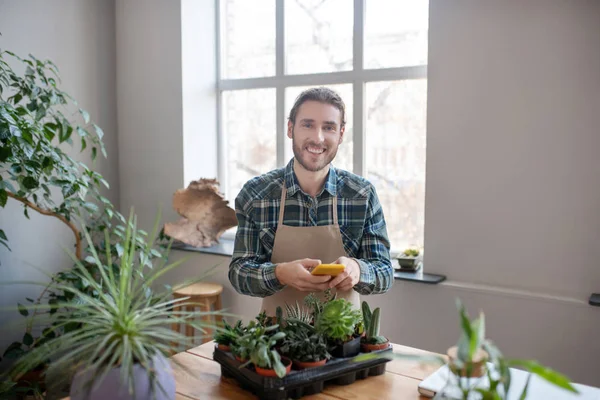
[(79, 36)]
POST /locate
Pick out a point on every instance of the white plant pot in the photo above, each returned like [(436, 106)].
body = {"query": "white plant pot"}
[(113, 388)]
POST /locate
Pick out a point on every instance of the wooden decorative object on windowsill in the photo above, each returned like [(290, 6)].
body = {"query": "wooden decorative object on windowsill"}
[(205, 214)]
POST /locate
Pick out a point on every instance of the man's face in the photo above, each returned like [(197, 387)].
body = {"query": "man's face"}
[(316, 134)]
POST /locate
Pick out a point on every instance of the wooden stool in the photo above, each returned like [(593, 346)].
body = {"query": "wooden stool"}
[(204, 295)]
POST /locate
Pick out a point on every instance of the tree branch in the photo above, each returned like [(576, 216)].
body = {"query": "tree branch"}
[(53, 214)]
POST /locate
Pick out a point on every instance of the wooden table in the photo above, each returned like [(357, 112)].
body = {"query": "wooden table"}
[(205, 382)]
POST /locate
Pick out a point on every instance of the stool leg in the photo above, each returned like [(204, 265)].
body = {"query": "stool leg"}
[(175, 327), (189, 330), (219, 307), (206, 306)]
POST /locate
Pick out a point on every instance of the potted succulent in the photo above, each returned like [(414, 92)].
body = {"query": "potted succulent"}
[(258, 344), (227, 335), (123, 337), (306, 347), (410, 260), (337, 322), (372, 341)]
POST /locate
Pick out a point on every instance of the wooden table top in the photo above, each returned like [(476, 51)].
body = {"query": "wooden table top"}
[(205, 382)]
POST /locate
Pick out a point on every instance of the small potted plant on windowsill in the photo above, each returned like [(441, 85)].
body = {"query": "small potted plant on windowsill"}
[(337, 322), (372, 341), (306, 347), (410, 259)]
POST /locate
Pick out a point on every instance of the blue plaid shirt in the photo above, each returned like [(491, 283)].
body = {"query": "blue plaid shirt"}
[(360, 217)]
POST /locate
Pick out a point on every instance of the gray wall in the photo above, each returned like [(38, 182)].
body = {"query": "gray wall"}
[(79, 36)]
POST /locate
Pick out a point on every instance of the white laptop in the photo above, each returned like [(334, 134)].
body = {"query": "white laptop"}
[(538, 388)]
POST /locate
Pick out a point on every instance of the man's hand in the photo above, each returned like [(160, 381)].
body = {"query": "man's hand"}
[(347, 279), (297, 274)]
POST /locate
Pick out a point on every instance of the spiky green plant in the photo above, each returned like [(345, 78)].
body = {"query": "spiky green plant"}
[(338, 320), (299, 313), (127, 324), (228, 334), (371, 321)]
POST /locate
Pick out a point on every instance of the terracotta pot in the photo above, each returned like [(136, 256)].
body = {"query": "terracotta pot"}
[(271, 372), (478, 364), (367, 348), (240, 359), (222, 347), (309, 364)]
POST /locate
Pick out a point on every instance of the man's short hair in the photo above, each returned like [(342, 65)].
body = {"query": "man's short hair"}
[(322, 95)]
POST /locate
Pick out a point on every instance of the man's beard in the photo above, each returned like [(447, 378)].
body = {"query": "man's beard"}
[(299, 152)]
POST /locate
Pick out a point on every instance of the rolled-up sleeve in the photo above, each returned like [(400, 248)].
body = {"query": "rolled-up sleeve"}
[(376, 271)]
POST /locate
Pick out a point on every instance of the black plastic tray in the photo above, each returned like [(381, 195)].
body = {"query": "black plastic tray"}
[(298, 383)]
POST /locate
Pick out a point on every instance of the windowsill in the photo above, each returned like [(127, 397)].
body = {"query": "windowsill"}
[(225, 248)]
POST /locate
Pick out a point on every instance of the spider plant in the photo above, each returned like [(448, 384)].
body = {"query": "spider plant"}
[(126, 326)]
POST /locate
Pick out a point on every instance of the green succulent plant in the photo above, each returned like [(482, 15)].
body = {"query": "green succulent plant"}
[(338, 320), (411, 252), (303, 343), (371, 321)]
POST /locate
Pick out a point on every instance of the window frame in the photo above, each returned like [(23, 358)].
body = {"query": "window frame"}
[(358, 77)]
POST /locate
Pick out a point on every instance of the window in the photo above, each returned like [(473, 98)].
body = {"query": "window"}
[(372, 52)]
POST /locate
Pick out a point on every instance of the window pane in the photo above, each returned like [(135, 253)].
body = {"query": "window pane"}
[(247, 38), (249, 128), (396, 130), (318, 36), (343, 159), (396, 33)]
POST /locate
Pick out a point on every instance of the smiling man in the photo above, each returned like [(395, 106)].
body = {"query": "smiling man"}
[(294, 218)]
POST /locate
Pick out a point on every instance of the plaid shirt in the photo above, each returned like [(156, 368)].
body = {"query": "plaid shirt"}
[(360, 217)]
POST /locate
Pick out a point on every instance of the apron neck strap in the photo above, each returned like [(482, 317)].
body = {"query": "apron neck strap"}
[(282, 206)]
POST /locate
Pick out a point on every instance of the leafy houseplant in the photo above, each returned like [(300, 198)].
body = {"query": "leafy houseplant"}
[(372, 340), (304, 345), (37, 120), (258, 346), (124, 334), (475, 357), (224, 338), (337, 322)]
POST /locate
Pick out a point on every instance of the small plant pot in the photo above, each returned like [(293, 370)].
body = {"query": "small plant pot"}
[(351, 348), (477, 366), (223, 347), (410, 263), (240, 359), (271, 372), (309, 364), (367, 348)]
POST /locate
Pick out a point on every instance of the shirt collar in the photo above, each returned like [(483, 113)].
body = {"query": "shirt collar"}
[(292, 185)]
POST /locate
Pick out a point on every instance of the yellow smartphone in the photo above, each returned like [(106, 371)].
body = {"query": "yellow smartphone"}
[(328, 269)]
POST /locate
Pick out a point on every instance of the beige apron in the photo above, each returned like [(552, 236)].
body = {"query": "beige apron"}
[(297, 242)]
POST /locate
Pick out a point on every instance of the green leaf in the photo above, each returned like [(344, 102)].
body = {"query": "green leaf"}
[(30, 182), (86, 116), (83, 144), (29, 299), (3, 235), (22, 309), (5, 153), (3, 198), (27, 339), (94, 151), (99, 131), (545, 373), (524, 393)]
